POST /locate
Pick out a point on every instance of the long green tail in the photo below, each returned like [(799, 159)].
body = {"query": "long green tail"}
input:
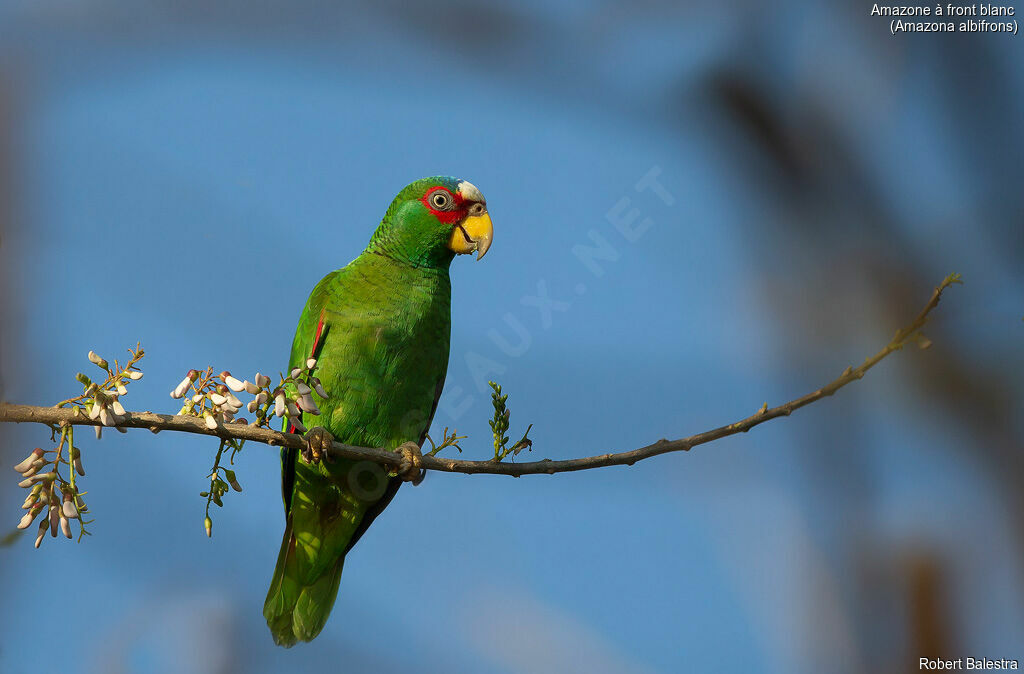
[(301, 593)]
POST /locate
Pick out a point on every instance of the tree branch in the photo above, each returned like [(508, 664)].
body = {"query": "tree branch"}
[(53, 416)]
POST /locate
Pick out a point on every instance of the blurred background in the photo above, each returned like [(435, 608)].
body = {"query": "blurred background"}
[(793, 181)]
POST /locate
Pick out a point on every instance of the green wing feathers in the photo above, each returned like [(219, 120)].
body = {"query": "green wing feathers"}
[(380, 333)]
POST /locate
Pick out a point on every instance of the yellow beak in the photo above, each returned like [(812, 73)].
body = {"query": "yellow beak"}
[(473, 234)]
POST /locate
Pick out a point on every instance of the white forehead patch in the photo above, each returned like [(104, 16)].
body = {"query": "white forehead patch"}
[(469, 191)]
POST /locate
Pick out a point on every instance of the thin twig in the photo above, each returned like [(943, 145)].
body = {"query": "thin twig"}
[(189, 424)]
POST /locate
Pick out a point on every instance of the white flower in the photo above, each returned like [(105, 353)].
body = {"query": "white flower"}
[(293, 411), (279, 405), (211, 422), (295, 372), (234, 401), (262, 380), (118, 407), (250, 388), (197, 398), (251, 406), (121, 390), (302, 388), (94, 410), (65, 526), (310, 363), (99, 431), (218, 399), (105, 417), (297, 424), (135, 375)]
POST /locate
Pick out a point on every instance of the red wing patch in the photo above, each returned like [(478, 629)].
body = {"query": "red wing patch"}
[(319, 334)]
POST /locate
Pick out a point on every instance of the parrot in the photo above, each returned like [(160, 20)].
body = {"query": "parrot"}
[(379, 331)]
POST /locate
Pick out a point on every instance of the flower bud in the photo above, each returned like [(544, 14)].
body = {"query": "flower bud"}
[(211, 422), (96, 360), (234, 384), (78, 464), (293, 411), (318, 387), (197, 398), (208, 525), (295, 372), (32, 457), (302, 388), (42, 532), (279, 404), (94, 410), (307, 404), (54, 520), (233, 400), (118, 408), (26, 519), (250, 388), (232, 480), (218, 399), (251, 407), (83, 379), (310, 363), (68, 507), (121, 390), (99, 432), (294, 421), (262, 380), (65, 526), (135, 375), (105, 417), (182, 387)]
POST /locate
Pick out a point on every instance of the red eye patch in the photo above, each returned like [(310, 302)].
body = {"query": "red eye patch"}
[(451, 212)]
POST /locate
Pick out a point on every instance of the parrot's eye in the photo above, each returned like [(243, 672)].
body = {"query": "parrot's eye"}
[(441, 200), (476, 209)]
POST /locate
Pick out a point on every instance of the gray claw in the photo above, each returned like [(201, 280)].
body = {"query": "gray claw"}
[(318, 441), (411, 469)]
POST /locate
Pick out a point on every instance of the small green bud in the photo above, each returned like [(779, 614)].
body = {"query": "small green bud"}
[(208, 525)]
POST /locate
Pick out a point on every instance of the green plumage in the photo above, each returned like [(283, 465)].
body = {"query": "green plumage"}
[(382, 357)]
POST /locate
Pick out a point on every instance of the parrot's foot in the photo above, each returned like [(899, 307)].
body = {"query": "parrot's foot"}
[(318, 441), (411, 470)]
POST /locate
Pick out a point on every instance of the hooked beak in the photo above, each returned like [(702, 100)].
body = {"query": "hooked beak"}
[(472, 234)]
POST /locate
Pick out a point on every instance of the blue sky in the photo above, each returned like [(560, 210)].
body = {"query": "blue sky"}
[(187, 192)]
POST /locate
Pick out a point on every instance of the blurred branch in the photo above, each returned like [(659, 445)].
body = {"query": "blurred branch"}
[(53, 417)]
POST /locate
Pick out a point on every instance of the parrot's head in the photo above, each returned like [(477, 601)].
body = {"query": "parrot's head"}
[(432, 220)]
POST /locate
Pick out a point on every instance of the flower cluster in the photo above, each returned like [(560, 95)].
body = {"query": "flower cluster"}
[(49, 491), (212, 397), (216, 401), (102, 401)]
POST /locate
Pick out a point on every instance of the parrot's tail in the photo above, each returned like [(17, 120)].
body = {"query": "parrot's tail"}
[(299, 601)]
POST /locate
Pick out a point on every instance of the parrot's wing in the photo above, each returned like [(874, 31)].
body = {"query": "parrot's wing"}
[(395, 482)]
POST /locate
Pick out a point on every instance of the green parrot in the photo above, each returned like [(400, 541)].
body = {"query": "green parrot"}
[(379, 329)]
